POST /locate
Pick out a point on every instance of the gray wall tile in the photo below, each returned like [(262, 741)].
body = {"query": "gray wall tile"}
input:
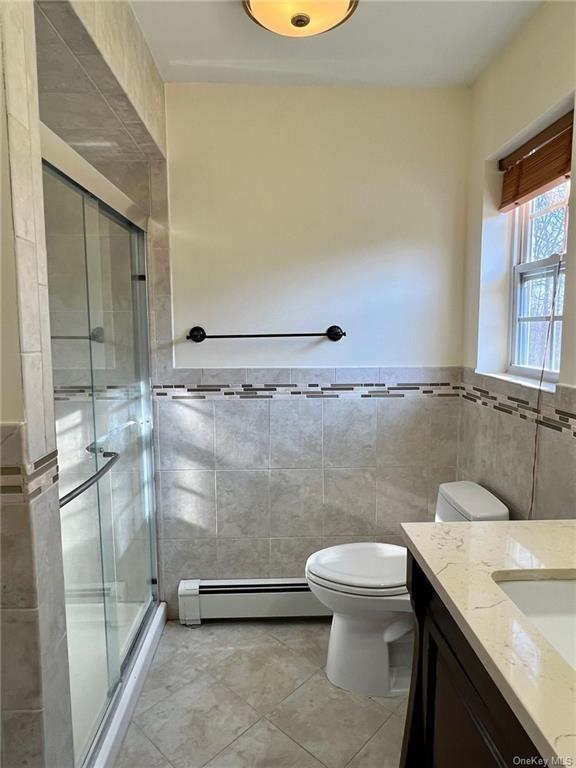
[(349, 433), (288, 556), (261, 376), (243, 503), (243, 558), (224, 376), (355, 375), (312, 375), (349, 502), (23, 739), (403, 432), (17, 564), (296, 433), (21, 672), (296, 502), (242, 434), (402, 497), (187, 504), (186, 434), (184, 559)]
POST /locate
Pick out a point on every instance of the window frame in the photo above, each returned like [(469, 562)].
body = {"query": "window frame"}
[(520, 242)]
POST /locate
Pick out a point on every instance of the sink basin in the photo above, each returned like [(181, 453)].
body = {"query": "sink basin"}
[(550, 604)]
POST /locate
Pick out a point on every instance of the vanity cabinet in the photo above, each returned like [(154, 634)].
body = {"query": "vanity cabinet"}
[(457, 717)]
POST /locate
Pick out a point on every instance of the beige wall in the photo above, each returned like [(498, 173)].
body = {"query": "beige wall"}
[(293, 208), (525, 87)]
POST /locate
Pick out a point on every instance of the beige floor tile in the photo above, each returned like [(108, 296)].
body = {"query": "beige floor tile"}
[(392, 703), (263, 672), (138, 752), (196, 722), (168, 672), (264, 746), (383, 750), (330, 723), (310, 639)]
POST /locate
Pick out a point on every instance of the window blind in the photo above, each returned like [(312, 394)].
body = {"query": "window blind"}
[(539, 164)]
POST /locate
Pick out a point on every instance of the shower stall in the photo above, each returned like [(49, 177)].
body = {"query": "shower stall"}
[(98, 319)]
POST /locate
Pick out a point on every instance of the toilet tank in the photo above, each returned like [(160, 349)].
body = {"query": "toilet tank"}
[(466, 501)]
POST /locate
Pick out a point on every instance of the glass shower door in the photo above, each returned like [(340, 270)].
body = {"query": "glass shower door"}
[(101, 398)]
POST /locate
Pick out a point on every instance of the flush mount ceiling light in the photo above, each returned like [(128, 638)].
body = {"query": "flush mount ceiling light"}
[(299, 18)]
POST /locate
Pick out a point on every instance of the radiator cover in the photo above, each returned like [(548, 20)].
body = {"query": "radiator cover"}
[(246, 598)]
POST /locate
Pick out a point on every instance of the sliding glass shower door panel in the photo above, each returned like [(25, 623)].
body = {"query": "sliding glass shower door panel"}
[(100, 361)]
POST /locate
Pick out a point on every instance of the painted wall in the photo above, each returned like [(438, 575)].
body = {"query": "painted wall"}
[(293, 208), (514, 97)]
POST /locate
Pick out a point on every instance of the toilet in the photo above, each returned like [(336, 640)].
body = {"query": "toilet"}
[(364, 585)]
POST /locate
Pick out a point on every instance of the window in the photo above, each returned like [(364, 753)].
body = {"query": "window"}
[(539, 274)]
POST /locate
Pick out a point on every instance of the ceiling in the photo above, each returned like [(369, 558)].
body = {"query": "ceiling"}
[(399, 43)]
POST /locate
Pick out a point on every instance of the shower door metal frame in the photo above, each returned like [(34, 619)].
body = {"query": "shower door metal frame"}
[(58, 155)]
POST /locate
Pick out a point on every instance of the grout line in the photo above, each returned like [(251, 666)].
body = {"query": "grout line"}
[(355, 755)]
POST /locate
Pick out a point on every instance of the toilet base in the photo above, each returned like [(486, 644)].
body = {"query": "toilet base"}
[(361, 658)]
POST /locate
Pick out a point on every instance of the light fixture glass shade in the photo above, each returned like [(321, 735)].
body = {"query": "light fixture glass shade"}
[(299, 18)]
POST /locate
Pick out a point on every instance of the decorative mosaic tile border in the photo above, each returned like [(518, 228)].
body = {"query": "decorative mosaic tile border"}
[(552, 418), (288, 391), (20, 483)]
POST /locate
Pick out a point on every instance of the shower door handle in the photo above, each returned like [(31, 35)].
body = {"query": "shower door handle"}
[(75, 492)]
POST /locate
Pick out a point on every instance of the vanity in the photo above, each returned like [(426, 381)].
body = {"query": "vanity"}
[(494, 677)]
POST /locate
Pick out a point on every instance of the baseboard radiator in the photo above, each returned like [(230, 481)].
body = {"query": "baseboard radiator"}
[(246, 598)]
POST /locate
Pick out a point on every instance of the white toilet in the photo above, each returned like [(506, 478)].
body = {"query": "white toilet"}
[(364, 585)]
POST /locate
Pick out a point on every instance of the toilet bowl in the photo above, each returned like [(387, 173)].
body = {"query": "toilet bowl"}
[(364, 585)]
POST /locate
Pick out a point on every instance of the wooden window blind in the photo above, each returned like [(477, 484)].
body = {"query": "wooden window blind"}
[(539, 164)]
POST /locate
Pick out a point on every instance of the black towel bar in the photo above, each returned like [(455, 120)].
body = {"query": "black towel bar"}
[(198, 334)]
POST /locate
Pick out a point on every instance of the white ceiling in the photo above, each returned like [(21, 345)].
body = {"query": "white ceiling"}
[(400, 43)]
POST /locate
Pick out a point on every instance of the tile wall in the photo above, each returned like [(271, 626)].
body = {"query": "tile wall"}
[(255, 472), (258, 468)]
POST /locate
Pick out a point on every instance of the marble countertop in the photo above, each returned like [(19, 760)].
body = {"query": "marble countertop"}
[(461, 561)]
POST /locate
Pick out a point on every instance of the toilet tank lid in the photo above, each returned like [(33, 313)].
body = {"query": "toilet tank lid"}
[(472, 501)]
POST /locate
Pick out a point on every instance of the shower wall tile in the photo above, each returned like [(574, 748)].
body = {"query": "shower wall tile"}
[(21, 670), (187, 504), (350, 433), (242, 434), (17, 557), (33, 383), (349, 502), (243, 504), (58, 737), (28, 298), (23, 739), (186, 434), (296, 433), (296, 502)]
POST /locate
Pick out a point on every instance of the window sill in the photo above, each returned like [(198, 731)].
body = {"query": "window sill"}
[(525, 381)]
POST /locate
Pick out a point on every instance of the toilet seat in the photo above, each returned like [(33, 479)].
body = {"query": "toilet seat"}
[(366, 568)]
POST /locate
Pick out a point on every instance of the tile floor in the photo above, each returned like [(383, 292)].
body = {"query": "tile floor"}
[(254, 695)]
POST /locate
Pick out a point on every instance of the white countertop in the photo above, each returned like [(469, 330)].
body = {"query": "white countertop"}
[(461, 560)]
